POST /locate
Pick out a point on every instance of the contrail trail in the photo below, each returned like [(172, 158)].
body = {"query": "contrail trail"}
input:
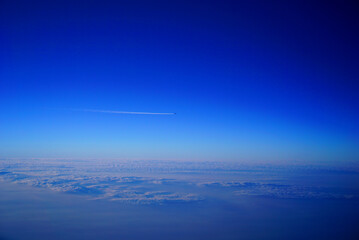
[(122, 112)]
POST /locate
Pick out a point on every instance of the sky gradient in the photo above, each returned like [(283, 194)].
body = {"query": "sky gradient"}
[(248, 80)]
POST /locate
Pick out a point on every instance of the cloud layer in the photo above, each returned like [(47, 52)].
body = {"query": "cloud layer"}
[(159, 182)]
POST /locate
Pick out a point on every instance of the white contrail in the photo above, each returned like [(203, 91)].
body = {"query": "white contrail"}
[(122, 112)]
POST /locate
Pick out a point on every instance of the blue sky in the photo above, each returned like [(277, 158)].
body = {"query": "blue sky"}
[(249, 80)]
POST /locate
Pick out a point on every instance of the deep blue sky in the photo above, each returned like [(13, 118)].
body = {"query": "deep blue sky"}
[(249, 80)]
